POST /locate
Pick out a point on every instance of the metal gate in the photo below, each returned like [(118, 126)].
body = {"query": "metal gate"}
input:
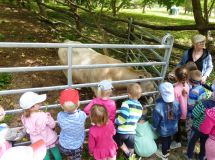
[(166, 44)]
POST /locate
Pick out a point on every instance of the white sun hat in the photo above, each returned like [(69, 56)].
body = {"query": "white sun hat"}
[(105, 85), (167, 92), (36, 151), (29, 99)]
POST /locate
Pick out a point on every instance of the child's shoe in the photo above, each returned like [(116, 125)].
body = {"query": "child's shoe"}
[(160, 155), (132, 157), (175, 145)]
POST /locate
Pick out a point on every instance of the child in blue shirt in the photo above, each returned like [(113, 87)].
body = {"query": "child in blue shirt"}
[(72, 124), (166, 115), (197, 92)]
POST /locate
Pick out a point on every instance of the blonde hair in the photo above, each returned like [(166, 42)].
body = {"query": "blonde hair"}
[(99, 114), (134, 90), (69, 106), (190, 66), (104, 93)]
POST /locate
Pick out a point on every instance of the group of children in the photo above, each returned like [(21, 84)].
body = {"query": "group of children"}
[(181, 104)]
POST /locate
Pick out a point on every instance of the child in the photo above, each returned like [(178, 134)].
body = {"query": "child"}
[(208, 127), (144, 145), (4, 144), (166, 115), (126, 121), (38, 124), (104, 93), (35, 151), (72, 124), (101, 144), (181, 91), (197, 92), (198, 117)]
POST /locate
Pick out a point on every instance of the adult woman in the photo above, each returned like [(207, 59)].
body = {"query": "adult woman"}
[(199, 55)]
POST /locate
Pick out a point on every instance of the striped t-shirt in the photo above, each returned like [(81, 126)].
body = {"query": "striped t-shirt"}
[(130, 113)]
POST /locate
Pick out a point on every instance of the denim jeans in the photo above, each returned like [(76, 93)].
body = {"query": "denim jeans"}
[(195, 136), (165, 141)]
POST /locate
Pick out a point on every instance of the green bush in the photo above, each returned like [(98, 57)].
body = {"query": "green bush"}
[(5, 79)]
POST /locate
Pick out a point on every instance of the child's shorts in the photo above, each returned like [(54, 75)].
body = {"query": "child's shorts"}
[(73, 154), (128, 139)]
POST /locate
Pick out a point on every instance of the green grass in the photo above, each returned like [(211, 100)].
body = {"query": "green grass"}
[(5, 79)]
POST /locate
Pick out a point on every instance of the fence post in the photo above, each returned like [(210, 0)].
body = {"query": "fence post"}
[(69, 61), (168, 40)]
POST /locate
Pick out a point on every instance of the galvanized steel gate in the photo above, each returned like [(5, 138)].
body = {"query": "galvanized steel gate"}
[(166, 44)]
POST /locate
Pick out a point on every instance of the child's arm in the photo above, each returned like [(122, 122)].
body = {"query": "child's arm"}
[(91, 143), (44, 119), (113, 112), (202, 94), (88, 107), (156, 119), (123, 115), (198, 110), (50, 121)]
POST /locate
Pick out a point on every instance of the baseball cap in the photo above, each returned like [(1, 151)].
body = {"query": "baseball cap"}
[(167, 92), (29, 99), (69, 95), (105, 85), (36, 151)]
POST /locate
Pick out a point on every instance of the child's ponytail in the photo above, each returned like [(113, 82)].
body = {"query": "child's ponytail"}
[(182, 76), (170, 113), (184, 92)]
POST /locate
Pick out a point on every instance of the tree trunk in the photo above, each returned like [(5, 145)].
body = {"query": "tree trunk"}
[(199, 19), (113, 6)]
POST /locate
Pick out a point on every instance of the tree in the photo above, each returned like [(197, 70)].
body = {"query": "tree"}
[(144, 3), (201, 16), (170, 3), (188, 6)]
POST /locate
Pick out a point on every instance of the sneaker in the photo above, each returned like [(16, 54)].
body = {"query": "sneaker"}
[(175, 145), (160, 155), (132, 157)]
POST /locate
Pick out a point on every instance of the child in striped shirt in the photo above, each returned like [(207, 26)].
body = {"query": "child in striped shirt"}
[(126, 121)]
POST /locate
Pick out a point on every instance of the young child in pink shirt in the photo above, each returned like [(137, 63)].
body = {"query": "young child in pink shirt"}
[(208, 127), (101, 144), (181, 92), (38, 124), (4, 144), (104, 93)]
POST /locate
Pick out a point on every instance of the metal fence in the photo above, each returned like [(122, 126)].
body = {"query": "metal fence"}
[(166, 45)]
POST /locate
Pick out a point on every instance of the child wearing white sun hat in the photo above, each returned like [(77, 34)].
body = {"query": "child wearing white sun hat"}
[(166, 115), (38, 124)]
